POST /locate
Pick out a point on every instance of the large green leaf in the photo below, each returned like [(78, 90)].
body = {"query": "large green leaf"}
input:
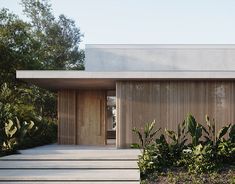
[(232, 133), (191, 124), (223, 131), (139, 136), (171, 134)]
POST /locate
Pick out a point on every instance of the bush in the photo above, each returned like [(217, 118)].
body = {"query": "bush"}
[(203, 159), (46, 134), (196, 156), (20, 125)]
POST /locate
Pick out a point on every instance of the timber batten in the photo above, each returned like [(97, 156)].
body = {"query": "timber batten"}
[(168, 102), (81, 116), (67, 117)]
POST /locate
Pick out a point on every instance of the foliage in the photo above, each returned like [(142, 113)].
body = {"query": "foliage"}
[(7, 137), (147, 137), (46, 133), (13, 133), (202, 159), (148, 160), (196, 156), (211, 136), (232, 133), (194, 129), (178, 141), (176, 175), (57, 40), (40, 42), (226, 151), (21, 126)]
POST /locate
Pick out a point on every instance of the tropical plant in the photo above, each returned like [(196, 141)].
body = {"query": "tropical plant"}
[(211, 136), (7, 137), (232, 133), (145, 138), (178, 140), (13, 133), (194, 129), (178, 137), (148, 160), (203, 159), (199, 156)]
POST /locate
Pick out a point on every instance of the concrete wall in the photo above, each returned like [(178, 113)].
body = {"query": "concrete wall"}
[(159, 57)]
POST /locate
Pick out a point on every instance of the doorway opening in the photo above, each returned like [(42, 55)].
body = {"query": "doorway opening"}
[(111, 118)]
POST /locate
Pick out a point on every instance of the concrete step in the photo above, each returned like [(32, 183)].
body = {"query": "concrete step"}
[(56, 164), (71, 182), (76, 155), (69, 175), (68, 164)]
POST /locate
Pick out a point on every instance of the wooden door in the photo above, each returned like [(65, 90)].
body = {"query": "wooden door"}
[(91, 117)]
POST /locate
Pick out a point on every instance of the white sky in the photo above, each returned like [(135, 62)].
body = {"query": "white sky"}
[(148, 21)]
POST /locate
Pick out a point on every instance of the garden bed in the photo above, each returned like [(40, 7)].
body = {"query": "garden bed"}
[(181, 176), (192, 154)]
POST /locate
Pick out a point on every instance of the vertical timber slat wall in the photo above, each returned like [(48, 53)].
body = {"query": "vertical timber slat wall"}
[(168, 102), (82, 116), (67, 117)]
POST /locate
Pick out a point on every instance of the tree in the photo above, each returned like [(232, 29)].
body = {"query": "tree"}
[(59, 38), (40, 42), (16, 47)]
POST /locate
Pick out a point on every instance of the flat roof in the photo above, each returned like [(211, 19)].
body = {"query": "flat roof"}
[(169, 46), (54, 80)]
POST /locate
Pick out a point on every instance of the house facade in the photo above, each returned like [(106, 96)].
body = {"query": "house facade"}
[(126, 86)]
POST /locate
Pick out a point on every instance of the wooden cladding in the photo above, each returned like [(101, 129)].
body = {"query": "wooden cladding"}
[(168, 102), (81, 115), (91, 117), (67, 117)]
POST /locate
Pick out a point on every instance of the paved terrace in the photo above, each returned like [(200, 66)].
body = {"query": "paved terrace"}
[(57, 164)]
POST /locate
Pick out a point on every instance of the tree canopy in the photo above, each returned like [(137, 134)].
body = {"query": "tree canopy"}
[(40, 41)]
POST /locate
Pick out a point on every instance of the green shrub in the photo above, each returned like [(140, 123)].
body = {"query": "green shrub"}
[(194, 129), (226, 152), (21, 125), (46, 134), (149, 157), (13, 133), (212, 137), (178, 141), (203, 159), (145, 138), (196, 156)]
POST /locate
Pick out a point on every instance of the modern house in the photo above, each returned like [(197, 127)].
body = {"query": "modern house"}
[(125, 86)]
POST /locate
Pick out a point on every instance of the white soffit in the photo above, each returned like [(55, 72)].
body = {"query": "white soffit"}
[(107, 80)]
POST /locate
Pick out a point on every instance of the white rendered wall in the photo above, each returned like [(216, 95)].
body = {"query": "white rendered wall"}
[(159, 57)]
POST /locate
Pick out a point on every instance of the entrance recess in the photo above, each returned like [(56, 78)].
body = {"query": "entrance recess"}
[(111, 118), (82, 117)]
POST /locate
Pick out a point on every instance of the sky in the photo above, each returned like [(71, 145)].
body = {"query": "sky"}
[(147, 21)]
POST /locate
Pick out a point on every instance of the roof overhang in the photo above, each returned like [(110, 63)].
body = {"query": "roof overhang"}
[(55, 80)]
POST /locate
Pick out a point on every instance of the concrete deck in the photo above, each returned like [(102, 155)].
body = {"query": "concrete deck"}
[(71, 164)]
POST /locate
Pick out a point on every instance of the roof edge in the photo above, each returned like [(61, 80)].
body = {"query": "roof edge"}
[(161, 46)]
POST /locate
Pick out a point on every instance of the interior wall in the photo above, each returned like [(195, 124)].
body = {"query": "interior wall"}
[(168, 102), (82, 116)]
